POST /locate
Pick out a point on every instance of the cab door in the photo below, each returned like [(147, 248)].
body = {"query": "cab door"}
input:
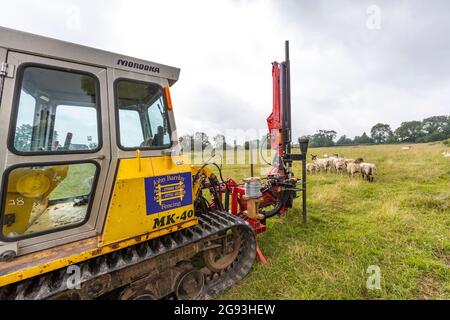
[(54, 151), (151, 189)]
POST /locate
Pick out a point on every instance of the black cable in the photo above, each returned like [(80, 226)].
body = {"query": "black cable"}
[(220, 171), (214, 164), (261, 153)]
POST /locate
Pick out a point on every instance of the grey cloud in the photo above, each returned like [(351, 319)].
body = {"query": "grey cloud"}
[(344, 76), (397, 72)]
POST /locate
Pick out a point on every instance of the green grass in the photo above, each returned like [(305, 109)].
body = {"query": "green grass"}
[(401, 223), (76, 183), (446, 142)]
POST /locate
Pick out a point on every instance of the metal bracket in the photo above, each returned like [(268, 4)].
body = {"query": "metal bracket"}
[(7, 70)]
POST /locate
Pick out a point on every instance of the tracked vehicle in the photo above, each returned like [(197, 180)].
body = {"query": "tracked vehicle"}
[(95, 203)]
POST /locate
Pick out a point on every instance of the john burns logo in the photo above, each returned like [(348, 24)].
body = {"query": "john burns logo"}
[(135, 65)]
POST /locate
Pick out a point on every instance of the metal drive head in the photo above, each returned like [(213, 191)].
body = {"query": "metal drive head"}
[(303, 142)]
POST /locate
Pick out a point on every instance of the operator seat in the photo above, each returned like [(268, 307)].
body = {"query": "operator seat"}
[(158, 138)]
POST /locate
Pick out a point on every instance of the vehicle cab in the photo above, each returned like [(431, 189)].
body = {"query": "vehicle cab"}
[(86, 138)]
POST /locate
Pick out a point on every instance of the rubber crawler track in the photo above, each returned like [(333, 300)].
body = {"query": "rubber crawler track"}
[(54, 284)]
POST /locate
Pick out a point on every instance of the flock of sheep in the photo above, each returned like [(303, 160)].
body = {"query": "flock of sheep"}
[(341, 165)]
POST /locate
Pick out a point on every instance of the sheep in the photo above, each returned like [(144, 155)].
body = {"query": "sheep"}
[(322, 163), (311, 168), (368, 170), (347, 161), (340, 166), (329, 164), (338, 160), (354, 167), (335, 160)]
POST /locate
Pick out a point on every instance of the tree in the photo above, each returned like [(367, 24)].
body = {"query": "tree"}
[(202, 139), (255, 143), (186, 142), (364, 139), (344, 141), (381, 133), (435, 128), (220, 142), (409, 131), (392, 139), (447, 128), (251, 144), (323, 138), (23, 137)]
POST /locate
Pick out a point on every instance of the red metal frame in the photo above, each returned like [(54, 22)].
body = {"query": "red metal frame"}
[(274, 120), (237, 192), (237, 203)]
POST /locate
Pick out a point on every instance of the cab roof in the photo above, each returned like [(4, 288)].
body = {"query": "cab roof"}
[(62, 50)]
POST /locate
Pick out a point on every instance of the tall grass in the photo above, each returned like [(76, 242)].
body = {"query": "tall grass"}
[(401, 223)]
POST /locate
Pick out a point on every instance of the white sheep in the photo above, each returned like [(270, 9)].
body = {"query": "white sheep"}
[(340, 166), (311, 168), (368, 170), (333, 159), (324, 164), (354, 167), (347, 161)]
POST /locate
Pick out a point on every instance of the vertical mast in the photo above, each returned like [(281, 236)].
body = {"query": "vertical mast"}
[(288, 98), (286, 104)]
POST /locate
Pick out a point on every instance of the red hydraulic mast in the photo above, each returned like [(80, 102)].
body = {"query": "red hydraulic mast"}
[(274, 121)]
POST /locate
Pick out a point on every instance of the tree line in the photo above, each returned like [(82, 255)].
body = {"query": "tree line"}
[(200, 141), (435, 128)]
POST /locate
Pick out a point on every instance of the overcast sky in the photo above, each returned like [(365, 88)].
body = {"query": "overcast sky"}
[(354, 63)]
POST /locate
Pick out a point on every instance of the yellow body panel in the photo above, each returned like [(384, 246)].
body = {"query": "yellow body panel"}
[(63, 256), (150, 195), (127, 222)]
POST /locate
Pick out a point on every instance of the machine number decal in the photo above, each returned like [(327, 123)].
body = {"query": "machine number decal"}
[(16, 202), (187, 214), (172, 218), (168, 192)]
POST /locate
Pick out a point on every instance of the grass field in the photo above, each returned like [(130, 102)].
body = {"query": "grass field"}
[(401, 223), (77, 183)]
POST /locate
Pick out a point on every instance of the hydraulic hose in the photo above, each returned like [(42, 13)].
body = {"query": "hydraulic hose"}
[(278, 206)]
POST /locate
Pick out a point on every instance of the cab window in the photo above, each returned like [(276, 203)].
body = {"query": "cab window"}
[(142, 114), (45, 198), (57, 111)]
